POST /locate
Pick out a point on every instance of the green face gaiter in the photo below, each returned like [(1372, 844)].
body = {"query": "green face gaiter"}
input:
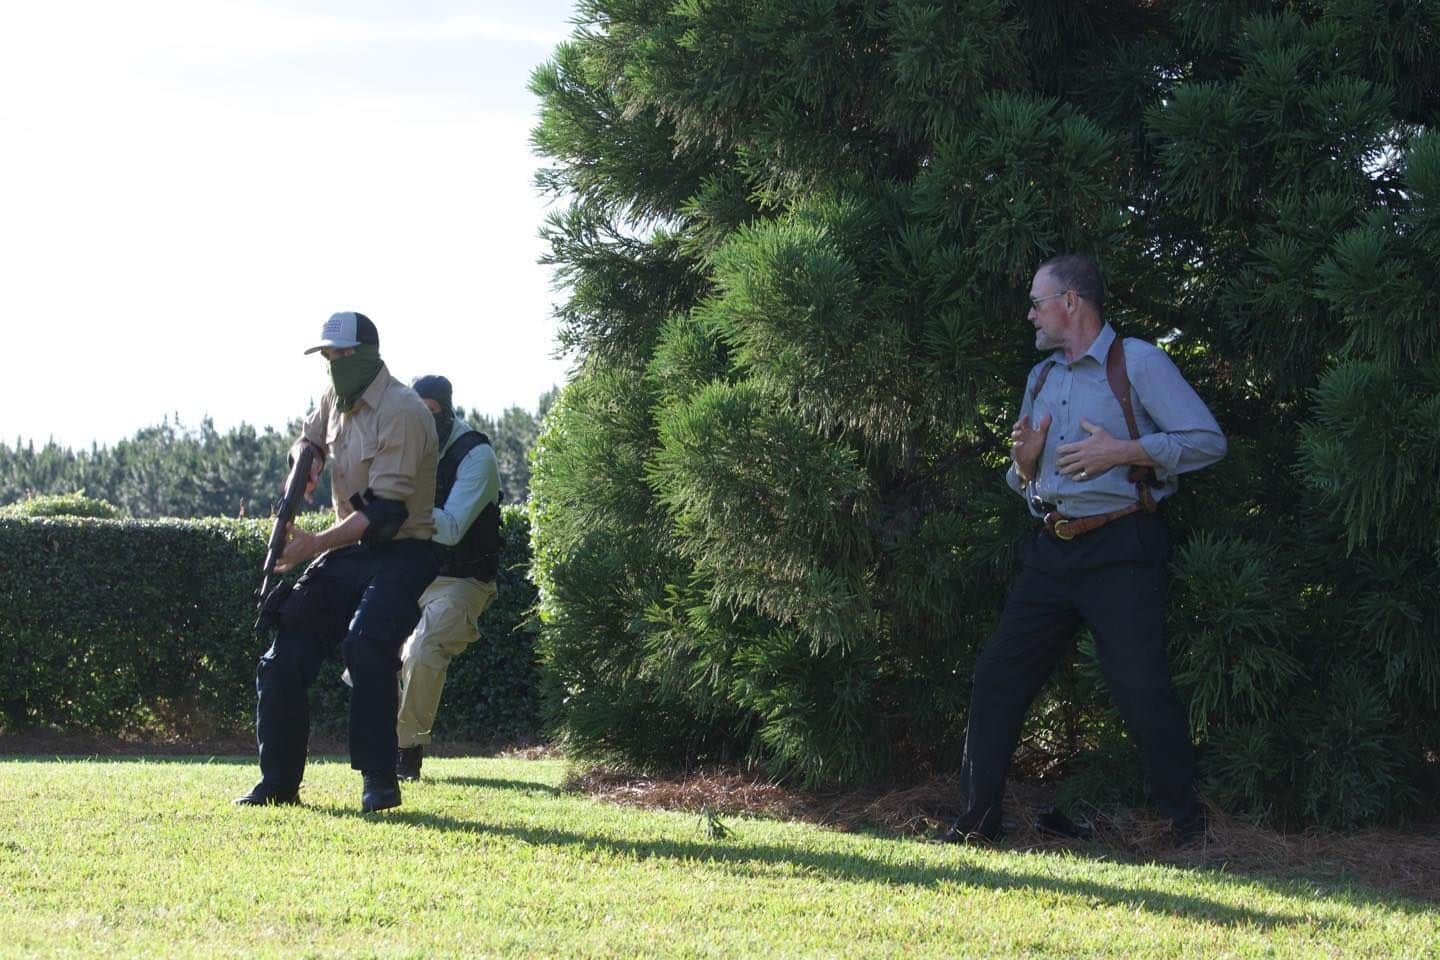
[(352, 374)]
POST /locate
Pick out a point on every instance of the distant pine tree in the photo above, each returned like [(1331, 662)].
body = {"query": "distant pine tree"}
[(171, 470)]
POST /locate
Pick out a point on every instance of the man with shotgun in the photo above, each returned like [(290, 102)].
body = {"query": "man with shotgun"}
[(1106, 425), (373, 563)]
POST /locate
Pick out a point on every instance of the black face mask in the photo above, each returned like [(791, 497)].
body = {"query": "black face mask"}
[(444, 423)]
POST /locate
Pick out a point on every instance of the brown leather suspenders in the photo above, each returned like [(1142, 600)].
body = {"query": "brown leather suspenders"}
[(1119, 378)]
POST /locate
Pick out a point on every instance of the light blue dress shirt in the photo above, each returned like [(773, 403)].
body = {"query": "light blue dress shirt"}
[(477, 485), (1176, 429)]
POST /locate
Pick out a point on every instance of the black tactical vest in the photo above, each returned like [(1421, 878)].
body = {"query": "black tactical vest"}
[(478, 552)]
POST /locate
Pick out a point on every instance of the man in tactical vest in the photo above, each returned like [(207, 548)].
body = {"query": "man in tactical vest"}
[(467, 534), (1106, 425)]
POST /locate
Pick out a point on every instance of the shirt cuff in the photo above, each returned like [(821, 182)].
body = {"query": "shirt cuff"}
[(446, 532), (1012, 479)]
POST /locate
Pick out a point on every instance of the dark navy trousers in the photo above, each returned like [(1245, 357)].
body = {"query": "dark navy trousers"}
[(1112, 580), (366, 600)]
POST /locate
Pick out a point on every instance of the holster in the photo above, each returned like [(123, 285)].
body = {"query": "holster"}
[(271, 605)]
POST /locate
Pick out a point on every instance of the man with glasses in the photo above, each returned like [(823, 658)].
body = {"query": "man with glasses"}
[(1106, 426)]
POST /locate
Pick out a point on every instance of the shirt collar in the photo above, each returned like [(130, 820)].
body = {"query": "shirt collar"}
[(1101, 346), (1098, 349)]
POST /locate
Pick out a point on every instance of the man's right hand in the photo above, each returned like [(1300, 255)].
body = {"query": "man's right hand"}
[(1026, 442), (316, 466)]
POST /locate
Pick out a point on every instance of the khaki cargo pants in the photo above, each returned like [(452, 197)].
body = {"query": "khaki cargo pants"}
[(449, 608)]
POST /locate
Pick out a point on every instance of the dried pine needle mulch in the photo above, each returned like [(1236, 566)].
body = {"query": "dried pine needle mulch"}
[(1404, 863)]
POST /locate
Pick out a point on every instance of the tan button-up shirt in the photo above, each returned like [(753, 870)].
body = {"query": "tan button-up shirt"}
[(384, 443)]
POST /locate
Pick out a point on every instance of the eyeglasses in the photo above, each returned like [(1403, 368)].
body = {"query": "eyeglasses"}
[(1036, 301)]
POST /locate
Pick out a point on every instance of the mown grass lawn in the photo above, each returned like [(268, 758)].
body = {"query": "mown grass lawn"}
[(487, 857)]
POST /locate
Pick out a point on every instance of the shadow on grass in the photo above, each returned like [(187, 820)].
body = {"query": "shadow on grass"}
[(754, 858), (496, 783)]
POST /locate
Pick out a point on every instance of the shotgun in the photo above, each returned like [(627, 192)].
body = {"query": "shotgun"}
[(273, 590)]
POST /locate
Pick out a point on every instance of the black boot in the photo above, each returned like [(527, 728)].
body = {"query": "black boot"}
[(972, 828), (261, 795), (1190, 831), (381, 792), (407, 762)]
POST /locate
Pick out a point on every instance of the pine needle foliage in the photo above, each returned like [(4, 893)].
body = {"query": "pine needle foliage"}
[(795, 241)]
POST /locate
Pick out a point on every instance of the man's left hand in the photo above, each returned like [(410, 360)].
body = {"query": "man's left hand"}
[(1088, 458)]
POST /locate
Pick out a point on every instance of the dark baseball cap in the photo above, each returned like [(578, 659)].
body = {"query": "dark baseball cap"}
[(433, 387)]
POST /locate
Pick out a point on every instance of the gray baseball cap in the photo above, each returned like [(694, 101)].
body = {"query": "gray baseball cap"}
[(347, 329)]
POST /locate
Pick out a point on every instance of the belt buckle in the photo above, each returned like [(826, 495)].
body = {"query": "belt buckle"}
[(1056, 525)]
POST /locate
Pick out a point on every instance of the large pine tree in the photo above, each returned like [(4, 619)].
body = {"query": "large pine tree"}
[(770, 522)]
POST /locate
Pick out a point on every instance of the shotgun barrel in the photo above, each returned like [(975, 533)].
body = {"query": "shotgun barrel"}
[(270, 595)]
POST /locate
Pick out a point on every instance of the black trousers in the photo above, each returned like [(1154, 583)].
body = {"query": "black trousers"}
[(366, 600), (1112, 580)]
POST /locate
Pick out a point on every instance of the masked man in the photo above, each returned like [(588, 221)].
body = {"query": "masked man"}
[(374, 562), (467, 532)]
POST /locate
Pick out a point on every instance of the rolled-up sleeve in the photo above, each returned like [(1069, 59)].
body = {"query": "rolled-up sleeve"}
[(400, 446), (1189, 437)]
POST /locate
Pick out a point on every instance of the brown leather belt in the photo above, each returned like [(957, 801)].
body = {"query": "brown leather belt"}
[(1068, 528)]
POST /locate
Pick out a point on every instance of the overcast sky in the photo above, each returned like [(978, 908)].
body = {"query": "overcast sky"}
[(188, 188)]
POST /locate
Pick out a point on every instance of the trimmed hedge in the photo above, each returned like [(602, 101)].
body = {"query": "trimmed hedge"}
[(75, 504), (143, 628)]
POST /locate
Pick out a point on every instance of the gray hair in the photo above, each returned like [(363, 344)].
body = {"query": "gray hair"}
[(1079, 272)]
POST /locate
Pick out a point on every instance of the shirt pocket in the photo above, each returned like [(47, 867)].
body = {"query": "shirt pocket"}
[(367, 448), (332, 430)]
